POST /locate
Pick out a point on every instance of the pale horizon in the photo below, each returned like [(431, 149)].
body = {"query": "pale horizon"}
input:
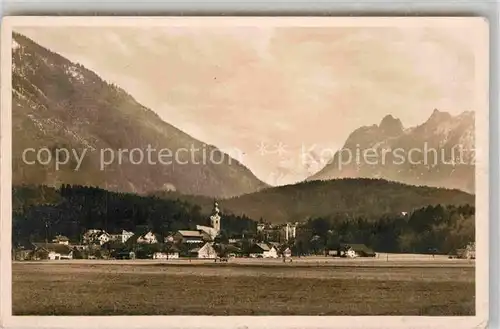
[(242, 88)]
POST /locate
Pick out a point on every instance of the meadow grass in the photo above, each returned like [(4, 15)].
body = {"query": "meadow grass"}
[(206, 289)]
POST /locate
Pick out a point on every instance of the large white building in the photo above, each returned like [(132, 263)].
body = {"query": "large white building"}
[(290, 231)]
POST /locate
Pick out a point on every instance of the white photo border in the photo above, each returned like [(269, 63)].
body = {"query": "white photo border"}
[(482, 185)]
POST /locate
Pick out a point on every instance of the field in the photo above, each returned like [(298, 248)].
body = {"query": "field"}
[(387, 285)]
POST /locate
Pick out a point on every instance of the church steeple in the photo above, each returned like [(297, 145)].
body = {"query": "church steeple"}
[(216, 208), (215, 218)]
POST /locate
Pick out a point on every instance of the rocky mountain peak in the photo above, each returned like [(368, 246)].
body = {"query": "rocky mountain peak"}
[(391, 125), (439, 116), (441, 131)]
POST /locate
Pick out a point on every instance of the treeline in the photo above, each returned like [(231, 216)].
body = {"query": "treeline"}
[(433, 229), (41, 212)]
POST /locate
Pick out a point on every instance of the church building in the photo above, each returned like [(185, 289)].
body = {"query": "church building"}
[(215, 223)]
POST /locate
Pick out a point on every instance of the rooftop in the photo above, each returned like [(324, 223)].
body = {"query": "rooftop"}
[(192, 234), (61, 238), (55, 247), (263, 246)]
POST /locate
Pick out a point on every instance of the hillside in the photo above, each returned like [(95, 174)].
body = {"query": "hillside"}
[(345, 198), (421, 155), (59, 104)]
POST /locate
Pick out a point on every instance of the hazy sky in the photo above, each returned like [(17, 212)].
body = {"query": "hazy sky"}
[(281, 88)]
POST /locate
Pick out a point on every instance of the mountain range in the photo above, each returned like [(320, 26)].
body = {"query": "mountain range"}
[(428, 154), (59, 104)]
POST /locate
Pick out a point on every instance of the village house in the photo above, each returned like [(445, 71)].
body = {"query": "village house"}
[(261, 227), (147, 238), (51, 251), (263, 250), (61, 239), (354, 250), (122, 236), (96, 236), (333, 253), (103, 237), (287, 253), (166, 255), (469, 252), (23, 254), (207, 251), (271, 253), (167, 252), (90, 235), (126, 235)]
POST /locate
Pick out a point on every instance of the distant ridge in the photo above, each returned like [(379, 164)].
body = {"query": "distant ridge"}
[(342, 198), (442, 132)]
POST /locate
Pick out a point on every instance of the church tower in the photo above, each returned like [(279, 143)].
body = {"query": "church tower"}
[(215, 218)]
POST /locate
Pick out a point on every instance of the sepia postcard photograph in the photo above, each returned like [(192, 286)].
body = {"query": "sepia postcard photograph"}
[(248, 168)]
